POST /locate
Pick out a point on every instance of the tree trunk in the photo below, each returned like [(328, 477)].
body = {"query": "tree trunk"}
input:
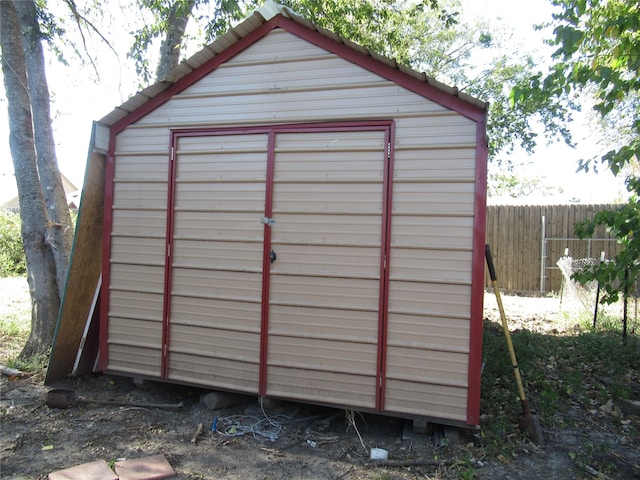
[(40, 263), (176, 26), (60, 231)]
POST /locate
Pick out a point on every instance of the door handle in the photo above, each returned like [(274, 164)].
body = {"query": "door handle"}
[(272, 256)]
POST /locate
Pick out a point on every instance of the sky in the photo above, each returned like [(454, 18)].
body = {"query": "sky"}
[(77, 101), (556, 163)]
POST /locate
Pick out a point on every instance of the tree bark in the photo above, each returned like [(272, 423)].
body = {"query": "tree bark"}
[(170, 46), (41, 268), (60, 231)]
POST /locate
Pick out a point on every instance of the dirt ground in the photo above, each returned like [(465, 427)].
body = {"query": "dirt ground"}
[(309, 442)]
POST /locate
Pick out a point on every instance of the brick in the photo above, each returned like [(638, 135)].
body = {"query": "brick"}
[(98, 470), (148, 468)]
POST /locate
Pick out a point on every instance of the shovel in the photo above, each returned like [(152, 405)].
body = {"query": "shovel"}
[(528, 422), (62, 398)]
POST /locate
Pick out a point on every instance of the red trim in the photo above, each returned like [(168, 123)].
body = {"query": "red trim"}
[(385, 265), (193, 77), (477, 278), (168, 264), (365, 125), (266, 266), (109, 168), (420, 87), (389, 128)]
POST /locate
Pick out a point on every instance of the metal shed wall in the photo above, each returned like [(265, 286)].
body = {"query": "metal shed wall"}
[(431, 368)]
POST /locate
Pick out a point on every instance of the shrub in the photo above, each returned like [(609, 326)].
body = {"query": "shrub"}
[(12, 258)]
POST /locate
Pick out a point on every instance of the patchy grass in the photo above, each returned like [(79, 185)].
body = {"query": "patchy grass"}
[(14, 331), (15, 318), (570, 378)]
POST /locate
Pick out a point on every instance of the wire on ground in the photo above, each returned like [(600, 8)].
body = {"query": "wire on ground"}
[(266, 429)]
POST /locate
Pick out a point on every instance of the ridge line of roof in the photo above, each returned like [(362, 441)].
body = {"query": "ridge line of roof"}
[(260, 16)]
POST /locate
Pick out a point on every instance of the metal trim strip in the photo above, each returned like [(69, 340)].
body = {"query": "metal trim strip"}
[(103, 354), (477, 277), (385, 260), (168, 266), (266, 265)]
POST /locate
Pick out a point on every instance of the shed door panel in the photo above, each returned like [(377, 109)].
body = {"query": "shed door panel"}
[(216, 260), (324, 290)]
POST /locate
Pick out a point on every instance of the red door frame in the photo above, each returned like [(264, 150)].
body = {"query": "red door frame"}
[(389, 128)]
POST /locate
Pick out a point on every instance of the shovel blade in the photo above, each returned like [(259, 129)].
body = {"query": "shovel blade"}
[(530, 425)]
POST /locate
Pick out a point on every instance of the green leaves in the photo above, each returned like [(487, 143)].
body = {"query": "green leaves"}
[(621, 272), (597, 54), (12, 259), (570, 38)]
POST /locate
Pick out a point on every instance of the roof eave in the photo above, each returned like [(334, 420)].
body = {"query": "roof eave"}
[(262, 21)]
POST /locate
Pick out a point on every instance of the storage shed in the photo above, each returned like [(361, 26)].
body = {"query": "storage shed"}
[(291, 215)]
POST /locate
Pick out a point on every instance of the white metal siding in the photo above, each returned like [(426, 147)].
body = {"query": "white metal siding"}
[(327, 204), (137, 256), (430, 278), (217, 245), (327, 235)]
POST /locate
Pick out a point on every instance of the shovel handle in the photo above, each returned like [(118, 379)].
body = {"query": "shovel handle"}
[(492, 269)]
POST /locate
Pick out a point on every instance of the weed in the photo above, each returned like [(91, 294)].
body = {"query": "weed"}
[(465, 470), (31, 364), (14, 331), (586, 368), (383, 476)]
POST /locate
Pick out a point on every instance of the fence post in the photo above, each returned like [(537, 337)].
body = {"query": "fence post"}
[(543, 256)]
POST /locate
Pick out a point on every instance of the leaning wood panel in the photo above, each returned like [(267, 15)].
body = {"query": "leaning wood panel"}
[(84, 273)]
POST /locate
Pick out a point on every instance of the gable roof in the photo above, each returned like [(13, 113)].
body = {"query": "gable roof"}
[(9, 191), (259, 24)]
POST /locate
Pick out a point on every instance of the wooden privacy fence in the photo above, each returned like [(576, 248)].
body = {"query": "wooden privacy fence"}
[(527, 241)]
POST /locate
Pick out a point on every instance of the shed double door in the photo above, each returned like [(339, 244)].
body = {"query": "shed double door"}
[(276, 278)]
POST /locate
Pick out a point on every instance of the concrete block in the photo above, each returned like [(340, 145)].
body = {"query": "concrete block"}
[(420, 425), (218, 400), (269, 403)]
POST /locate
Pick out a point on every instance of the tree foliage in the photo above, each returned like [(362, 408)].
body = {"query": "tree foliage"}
[(428, 36), (167, 17), (598, 46), (12, 259)]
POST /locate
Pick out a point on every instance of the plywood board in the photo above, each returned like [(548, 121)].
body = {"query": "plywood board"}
[(83, 275)]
